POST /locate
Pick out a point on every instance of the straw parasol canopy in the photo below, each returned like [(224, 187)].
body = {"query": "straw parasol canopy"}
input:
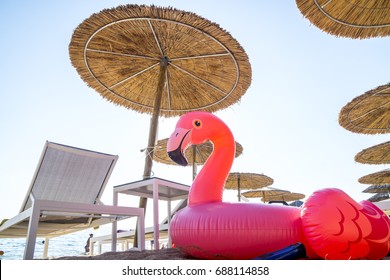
[(378, 154), (196, 155), (378, 189), (290, 196), (357, 19), (119, 52), (264, 193), (246, 181), (377, 178), (379, 197), (368, 113)]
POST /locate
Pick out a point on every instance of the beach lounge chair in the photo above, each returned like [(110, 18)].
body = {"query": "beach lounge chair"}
[(64, 197)]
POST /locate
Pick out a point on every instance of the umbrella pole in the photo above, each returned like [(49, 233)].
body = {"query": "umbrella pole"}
[(194, 166), (239, 188), (152, 134), (154, 119)]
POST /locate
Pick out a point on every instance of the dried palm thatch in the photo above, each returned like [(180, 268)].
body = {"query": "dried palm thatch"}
[(378, 154), (377, 178), (264, 193), (119, 52), (196, 154), (290, 196), (368, 113), (379, 197), (357, 19), (378, 189)]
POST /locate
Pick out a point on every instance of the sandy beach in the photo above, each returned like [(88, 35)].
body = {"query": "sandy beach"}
[(164, 254)]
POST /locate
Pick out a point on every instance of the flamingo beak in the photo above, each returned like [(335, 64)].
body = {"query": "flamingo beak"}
[(177, 144)]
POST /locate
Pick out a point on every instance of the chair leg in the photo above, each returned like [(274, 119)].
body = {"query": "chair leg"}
[(114, 236), (141, 232), (100, 248), (32, 233), (91, 248), (46, 248), (169, 244)]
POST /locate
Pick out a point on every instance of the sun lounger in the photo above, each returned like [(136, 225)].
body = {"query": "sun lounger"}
[(125, 238), (64, 197)]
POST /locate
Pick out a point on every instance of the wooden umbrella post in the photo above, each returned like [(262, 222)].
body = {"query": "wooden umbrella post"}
[(194, 166), (154, 118), (239, 188), (152, 134)]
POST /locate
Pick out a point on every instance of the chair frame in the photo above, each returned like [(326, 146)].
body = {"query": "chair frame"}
[(28, 222)]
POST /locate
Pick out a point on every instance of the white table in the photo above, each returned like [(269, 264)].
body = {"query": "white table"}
[(157, 189)]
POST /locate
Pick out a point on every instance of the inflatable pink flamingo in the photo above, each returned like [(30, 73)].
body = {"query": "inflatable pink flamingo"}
[(330, 225)]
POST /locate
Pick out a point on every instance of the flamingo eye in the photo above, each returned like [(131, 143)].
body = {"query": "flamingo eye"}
[(197, 124)]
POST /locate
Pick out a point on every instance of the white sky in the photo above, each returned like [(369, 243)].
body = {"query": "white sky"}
[(287, 122)]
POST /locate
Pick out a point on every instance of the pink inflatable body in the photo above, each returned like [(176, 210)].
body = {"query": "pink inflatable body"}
[(330, 225)]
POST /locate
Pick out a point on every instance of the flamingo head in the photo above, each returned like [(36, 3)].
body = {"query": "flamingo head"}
[(193, 128)]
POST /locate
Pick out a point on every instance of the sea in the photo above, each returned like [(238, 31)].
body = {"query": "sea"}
[(66, 245)]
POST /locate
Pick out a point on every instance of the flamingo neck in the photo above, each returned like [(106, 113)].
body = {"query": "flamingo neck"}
[(209, 184)]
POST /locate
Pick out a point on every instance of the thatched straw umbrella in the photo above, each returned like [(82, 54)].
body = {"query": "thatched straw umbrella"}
[(346, 18), (159, 61), (378, 189), (290, 196), (382, 192), (378, 154), (368, 113), (195, 155), (264, 193), (379, 197), (377, 178), (246, 181)]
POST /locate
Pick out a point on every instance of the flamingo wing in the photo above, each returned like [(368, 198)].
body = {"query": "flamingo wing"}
[(379, 237), (337, 227)]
